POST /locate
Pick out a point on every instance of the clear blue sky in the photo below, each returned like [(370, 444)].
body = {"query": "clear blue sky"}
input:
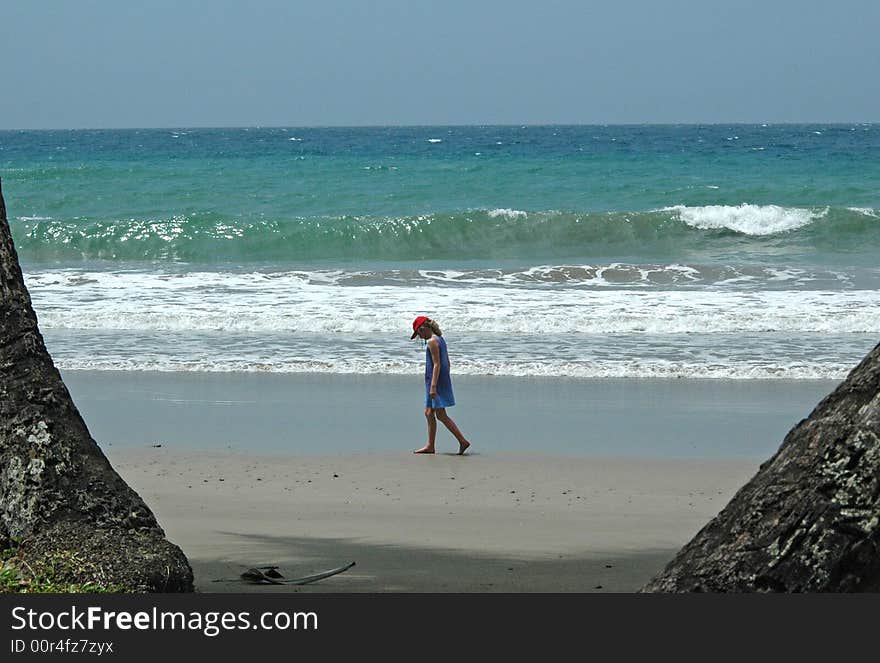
[(107, 64)]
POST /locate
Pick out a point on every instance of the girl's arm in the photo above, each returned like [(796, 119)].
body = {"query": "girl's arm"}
[(434, 347)]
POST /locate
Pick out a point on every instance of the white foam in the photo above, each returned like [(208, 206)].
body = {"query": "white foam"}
[(311, 301), (747, 219), (623, 275), (35, 218), (446, 275), (867, 211), (290, 322), (643, 369), (435, 140), (507, 213)]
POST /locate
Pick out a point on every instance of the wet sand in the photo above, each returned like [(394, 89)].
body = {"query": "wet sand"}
[(329, 414)]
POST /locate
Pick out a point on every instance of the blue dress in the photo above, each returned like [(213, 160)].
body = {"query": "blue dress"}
[(445, 398)]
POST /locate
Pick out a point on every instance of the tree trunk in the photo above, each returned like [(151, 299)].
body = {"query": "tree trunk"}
[(57, 489), (809, 520)]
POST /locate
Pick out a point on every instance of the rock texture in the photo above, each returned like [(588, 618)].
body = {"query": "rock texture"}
[(809, 520), (57, 489)]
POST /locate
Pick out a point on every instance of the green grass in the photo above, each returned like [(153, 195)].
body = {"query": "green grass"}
[(62, 572)]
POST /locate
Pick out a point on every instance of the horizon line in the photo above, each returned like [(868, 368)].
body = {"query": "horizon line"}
[(454, 125)]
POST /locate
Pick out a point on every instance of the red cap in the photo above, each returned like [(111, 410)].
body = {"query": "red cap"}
[(418, 322)]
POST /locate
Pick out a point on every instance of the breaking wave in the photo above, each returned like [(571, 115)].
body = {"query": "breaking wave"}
[(208, 237)]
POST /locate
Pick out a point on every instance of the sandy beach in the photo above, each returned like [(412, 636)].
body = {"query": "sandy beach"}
[(570, 486), (479, 523)]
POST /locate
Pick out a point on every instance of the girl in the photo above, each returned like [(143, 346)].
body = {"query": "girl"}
[(438, 384)]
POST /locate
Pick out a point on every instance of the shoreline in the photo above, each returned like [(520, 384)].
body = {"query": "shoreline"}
[(319, 414)]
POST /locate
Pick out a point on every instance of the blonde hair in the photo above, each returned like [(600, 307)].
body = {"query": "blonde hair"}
[(434, 327)]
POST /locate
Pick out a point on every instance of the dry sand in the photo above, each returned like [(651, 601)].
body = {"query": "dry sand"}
[(443, 523)]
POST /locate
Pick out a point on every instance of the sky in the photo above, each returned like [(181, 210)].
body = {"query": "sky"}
[(111, 64)]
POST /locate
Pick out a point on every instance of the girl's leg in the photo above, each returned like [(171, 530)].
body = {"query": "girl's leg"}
[(463, 444), (432, 432)]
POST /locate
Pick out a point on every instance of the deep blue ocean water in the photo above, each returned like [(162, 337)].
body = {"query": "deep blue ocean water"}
[(745, 251)]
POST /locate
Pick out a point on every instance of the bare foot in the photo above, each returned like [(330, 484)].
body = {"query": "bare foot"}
[(427, 449), (462, 447)]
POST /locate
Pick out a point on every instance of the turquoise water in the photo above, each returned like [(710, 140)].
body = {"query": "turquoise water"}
[(268, 194), (617, 251)]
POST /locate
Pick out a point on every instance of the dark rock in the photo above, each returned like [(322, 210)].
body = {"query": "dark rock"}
[(57, 489), (809, 520)]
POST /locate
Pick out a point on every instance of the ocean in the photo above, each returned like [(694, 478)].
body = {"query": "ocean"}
[(735, 252)]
